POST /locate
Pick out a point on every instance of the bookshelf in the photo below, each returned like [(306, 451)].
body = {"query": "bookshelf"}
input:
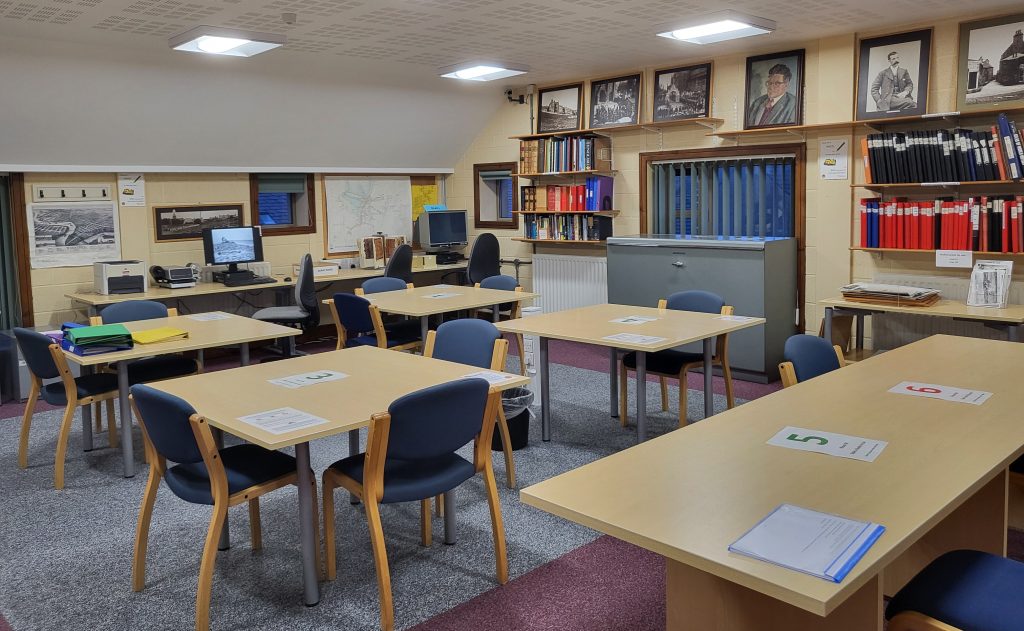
[(569, 242)]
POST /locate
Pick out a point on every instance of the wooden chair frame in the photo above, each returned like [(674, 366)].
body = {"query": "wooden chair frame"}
[(221, 502), (517, 312), (359, 290), (914, 621), (71, 394), (720, 358), (372, 490), (788, 372), (378, 330)]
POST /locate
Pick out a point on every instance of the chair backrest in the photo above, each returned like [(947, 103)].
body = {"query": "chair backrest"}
[(436, 421), (166, 421), (501, 281), (400, 263), (468, 341), (130, 310), (305, 291), (383, 283), (353, 313), (810, 355), (35, 348), (484, 258), (696, 300)]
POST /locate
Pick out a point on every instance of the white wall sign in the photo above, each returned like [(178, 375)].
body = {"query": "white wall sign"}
[(131, 189), (954, 258), (834, 159)]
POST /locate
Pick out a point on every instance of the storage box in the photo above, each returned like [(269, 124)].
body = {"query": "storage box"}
[(321, 269)]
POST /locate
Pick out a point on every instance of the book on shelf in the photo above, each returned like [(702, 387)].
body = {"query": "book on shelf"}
[(567, 227), (594, 195), (565, 153), (983, 223)]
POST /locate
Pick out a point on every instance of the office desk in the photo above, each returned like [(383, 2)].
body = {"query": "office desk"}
[(939, 485), (591, 325), (375, 378), (201, 334)]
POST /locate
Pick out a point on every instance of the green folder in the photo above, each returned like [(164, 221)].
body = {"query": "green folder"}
[(101, 335)]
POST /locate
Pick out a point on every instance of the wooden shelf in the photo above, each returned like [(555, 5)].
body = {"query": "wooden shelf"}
[(558, 241), (564, 173), (604, 131), (600, 213), (912, 250), (927, 185)]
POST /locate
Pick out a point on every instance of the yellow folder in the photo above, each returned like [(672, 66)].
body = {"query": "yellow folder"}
[(162, 334)]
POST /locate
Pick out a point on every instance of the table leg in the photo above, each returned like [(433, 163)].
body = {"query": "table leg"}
[(641, 396), (613, 381), (860, 331), (307, 529), (353, 450), (494, 313), (87, 418), (243, 351), (127, 454), (424, 328), (1013, 332), (449, 517), (709, 391), (828, 324), (545, 391)]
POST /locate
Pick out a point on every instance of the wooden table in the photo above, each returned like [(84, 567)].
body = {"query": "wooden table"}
[(939, 485), (1009, 319), (592, 325), (375, 378), (201, 335)]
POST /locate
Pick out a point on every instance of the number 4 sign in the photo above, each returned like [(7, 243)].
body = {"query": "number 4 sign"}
[(946, 393), (828, 443)]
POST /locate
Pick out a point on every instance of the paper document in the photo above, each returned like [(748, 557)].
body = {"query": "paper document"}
[(308, 378), (282, 420), (819, 544), (441, 295), (841, 445), (990, 284), (633, 319), (632, 338), (735, 318), (206, 317), (492, 378), (161, 334), (946, 393)]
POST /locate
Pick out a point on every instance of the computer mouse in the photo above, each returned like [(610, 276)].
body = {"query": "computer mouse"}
[(287, 279)]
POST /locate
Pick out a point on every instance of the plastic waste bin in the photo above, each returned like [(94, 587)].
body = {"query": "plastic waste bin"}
[(516, 404)]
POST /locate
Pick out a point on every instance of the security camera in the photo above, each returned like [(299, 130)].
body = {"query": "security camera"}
[(512, 97)]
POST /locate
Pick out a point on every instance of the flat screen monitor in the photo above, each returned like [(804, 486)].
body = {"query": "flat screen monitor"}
[(443, 229), (231, 246)]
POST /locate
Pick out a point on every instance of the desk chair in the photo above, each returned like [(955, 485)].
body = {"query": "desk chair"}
[(382, 283), (172, 430), (962, 589), (46, 360), (808, 356), (673, 364), (507, 311), (304, 314), (400, 264), (484, 258), (410, 456), (475, 343), (359, 323)]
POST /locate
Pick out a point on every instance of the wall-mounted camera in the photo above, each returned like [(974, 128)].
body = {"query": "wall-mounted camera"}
[(518, 95)]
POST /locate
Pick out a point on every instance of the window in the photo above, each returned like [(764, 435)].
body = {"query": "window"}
[(494, 190), (282, 203)]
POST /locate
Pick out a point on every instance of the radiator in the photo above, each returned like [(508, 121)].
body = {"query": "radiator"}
[(567, 282), (890, 330)]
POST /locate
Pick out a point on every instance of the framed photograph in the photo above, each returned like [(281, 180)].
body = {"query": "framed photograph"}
[(558, 109), (615, 101), (681, 93), (775, 90), (991, 63), (179, 223), (892, 75)]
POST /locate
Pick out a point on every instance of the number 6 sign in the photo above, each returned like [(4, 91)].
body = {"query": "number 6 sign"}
[(945, 393)]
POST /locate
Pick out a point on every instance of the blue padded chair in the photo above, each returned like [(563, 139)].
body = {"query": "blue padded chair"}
[(46, 360), (962, 589), (399, 327), (673, 364), (358, 323), (475, 343), (506, 311), (204, 474), (151, 368), (808, 356), (410, 456), (382, 283)]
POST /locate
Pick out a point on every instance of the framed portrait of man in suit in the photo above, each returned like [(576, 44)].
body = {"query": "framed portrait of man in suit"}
[(775, 90), (892, 75)]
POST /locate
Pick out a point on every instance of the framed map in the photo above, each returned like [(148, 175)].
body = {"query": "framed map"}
[(362, 206), (73, 234)]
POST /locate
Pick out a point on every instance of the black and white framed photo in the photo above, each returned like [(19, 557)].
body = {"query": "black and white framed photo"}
[(892, 77), (178, 223), (681, 93), (615, 101), (558, 109), (991, 63), (775, 90)]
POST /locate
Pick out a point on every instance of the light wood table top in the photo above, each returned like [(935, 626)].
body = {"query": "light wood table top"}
[(1013, 314), (417, 302), (689, 494), (592, 324), (201, 334), (376, 377)]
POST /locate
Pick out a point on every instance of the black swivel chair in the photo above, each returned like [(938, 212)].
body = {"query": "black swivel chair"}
[(400, 263), (304, 314), (484, 258)]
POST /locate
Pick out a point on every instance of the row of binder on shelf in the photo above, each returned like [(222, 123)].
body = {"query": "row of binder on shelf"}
[(980, 224), (573, 153), (944, 155), (595, 194), (567, 227)]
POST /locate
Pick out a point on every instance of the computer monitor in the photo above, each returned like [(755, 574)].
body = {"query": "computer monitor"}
[(231, 246), (442, 229)]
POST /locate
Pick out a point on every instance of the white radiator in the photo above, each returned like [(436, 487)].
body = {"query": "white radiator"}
[(567, 282), (890, 330)]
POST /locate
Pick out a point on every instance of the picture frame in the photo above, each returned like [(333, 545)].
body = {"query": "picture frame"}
[(767, 81), (558, 108), (184, 223), (892, 75), (990, 63), (681, 93), (616, 101)]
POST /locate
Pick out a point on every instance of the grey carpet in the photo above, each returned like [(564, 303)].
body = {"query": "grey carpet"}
[(67, 555)]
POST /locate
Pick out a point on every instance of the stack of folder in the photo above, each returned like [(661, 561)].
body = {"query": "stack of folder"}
[(161, 334), (891, 294), (93, 340)]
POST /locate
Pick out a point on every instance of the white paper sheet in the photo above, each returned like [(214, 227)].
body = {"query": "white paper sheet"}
[(206, 317), (308, 378), (633, 319), (441, 295), (282, 420), (829, 443), (734, 318), (632, 338), (946, 393), (493, 378)]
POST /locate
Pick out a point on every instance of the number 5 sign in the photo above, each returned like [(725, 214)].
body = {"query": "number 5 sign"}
[(946, 393), (828, 443)]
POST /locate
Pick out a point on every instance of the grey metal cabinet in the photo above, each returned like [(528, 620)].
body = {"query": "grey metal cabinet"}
[(756, 276)]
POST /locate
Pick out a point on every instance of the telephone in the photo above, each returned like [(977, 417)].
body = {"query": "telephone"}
[(175, 276)]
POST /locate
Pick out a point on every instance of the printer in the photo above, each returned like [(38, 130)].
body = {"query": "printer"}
[(119, 277)]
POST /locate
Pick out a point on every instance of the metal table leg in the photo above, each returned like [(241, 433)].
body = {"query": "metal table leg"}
[(307, 529), (353, 450), (709, 391), (424, 328), (613, 381), (1013, 332), (494, 313), (860, 331), (828, 324), (127, 453), (243, 352), (449, 517), (641, 396), (545, 391), (87, 419)]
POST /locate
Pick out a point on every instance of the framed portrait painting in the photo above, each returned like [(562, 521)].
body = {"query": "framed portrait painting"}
[(892, 75), (615, 101), (775, 90), (681, 93), (558, 109), (991, 63), (178, 223)]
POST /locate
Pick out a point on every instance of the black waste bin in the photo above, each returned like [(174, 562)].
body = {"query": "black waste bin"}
[(515, 402)]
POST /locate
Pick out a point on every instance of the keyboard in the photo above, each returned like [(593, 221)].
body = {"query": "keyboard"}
[(254, 280)]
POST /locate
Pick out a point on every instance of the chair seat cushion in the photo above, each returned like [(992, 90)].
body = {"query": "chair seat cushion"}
[(668, 362), (88, 386), (281, 315), (157, 368), (245, 466), (968, 590), (412, 480)]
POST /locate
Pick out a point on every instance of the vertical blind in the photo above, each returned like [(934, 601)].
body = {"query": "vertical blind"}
[(749, 196), (10, 310)]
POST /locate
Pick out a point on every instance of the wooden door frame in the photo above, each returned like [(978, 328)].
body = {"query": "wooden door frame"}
[(22, 255)]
